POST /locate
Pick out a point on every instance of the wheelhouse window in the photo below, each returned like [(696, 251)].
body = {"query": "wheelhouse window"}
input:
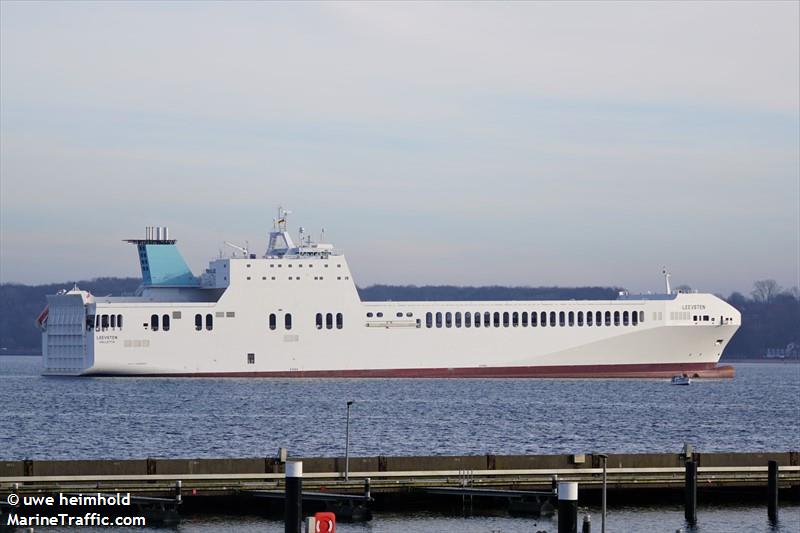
[(616, 318), (287, 321), (497, 319), (543, 319), (119, 321), (438, 319), (273, 321), (571, 318), (506, 321), (487, 319), (553, 319), (329, 321), (458, 319), (634, 318), (580, 318), (624, 318), (448, 319), (515, 319), (524, 319), (468, 320), (339, 321), (198, 322), (598, 318), (534, 317), (428, 319), (641, 316), (104, 322), (562, 318), (608, 318), (318, 320), (589, 316), (113, 321), (164, 322), (209, 322), (153, 322)]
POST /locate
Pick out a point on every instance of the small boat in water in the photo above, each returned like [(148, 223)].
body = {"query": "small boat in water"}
[(683, 379)]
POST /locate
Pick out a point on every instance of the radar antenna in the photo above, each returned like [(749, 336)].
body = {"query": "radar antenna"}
[(666, 275)]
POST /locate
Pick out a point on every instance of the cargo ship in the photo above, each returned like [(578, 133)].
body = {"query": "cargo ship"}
[(294, 311)]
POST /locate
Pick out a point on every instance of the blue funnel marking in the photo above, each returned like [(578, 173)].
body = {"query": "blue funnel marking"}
[(162, 264)]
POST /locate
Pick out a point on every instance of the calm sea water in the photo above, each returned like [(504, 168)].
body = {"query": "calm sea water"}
[(65, 418)]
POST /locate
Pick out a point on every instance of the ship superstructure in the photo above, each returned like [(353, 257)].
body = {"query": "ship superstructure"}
[(295, 312)]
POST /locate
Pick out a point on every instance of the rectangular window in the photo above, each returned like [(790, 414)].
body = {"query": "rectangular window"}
[(176, 315), (251, 358), (230, 314)]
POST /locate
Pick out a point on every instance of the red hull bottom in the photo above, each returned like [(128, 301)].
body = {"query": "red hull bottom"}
[(656, 370)]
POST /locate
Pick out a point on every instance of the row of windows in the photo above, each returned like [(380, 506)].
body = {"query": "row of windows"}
[(198, 322), (399, 314), (154, 322), (534, 319), (300, 265), (273, 321), (297, 278), (329, 321), (103, 322)]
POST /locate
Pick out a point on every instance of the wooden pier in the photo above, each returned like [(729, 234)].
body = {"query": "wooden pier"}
[(391, 481)]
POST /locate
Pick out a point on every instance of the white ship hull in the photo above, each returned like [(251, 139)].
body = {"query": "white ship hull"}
[(670, 334)]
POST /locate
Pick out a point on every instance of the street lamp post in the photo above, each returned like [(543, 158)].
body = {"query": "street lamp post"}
[(347, 444)]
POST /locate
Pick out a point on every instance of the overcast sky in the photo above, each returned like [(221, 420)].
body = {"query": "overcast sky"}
[(556, 143)]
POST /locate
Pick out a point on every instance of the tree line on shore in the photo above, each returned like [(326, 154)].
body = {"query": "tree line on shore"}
[(770, 314)]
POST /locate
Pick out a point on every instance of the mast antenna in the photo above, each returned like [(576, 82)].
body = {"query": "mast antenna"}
[(666, 275)]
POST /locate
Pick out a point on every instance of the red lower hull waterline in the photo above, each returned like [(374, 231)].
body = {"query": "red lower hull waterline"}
[(656, 370)]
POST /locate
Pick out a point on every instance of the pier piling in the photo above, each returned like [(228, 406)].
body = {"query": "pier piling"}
[(772, 490), (294, 498), (567, 507), (690, 489)]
